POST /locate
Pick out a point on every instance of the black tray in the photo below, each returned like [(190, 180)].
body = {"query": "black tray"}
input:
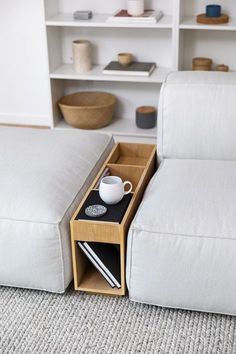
[(114, 213)]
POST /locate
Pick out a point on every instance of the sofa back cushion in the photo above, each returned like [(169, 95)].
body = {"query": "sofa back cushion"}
[(197, 116)]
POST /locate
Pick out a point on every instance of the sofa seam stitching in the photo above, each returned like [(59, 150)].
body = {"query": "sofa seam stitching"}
[(136, 228), (31, 288), (200, 83), (30, 221), (162, 123), (131, 260), (62, 256), (152, 303)]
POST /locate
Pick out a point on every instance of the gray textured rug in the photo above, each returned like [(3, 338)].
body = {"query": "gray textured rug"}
[(39, 322)]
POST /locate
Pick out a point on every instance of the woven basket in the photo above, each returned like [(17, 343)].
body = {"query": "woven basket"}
[(88, 110), (203, 64)]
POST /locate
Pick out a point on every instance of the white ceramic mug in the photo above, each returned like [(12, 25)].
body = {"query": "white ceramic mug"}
[(112, 189), (135, 7)]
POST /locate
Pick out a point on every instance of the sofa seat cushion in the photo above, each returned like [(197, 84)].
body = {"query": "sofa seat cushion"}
[(44, 175), (181, 243)]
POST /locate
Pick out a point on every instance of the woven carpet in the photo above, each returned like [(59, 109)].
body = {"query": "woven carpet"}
[(39, 322)]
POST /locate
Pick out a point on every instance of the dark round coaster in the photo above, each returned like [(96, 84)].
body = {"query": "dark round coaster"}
[(94, 211)]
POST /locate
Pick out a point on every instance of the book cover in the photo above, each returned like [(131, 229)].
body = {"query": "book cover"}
[(94, 262), (149, 16), (108, 258), (135, 68)]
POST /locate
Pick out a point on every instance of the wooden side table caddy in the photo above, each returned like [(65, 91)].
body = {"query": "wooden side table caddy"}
[(133, 162)]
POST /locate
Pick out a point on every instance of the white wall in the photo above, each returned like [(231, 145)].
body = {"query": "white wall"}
[(24, 84)]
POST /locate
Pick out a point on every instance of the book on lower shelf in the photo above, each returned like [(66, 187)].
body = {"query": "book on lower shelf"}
[(149, 16), (137, 68), (106, 259)]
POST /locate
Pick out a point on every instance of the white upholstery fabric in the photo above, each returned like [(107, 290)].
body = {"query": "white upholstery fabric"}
[(43, 176), (182, 242), (197, 116)]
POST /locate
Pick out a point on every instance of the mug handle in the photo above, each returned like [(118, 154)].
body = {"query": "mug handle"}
[(130, 189)]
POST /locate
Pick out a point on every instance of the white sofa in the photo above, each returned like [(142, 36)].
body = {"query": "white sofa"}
[(43, 176), (182, 242)]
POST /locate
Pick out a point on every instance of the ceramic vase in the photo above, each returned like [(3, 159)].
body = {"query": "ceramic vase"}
[(135, 7), (82, 56)]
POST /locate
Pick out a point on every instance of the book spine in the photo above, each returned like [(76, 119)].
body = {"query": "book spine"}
[(127, 73), (96, 264), (118, 285)]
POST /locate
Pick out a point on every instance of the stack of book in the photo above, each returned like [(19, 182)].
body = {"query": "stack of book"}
[(149, 16), (137, 68), (106, 259)]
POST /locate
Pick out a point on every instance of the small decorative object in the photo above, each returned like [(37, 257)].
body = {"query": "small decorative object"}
[(201, 64), (213, 16), (222, 67), (88, 110), (136, 68), (112, 189), (83, 15), (125, 58), (202, 18), (94, 211), (149, 16), (135, 7), (146, 117), (213, 10), (82, 56)]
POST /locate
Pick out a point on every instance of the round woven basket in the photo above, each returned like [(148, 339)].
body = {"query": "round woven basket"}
[(202, 64), (200, 61), (88, 110)]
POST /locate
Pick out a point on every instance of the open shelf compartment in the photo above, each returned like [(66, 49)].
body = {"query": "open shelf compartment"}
[(131, 154), (125, 172), (89, 279)]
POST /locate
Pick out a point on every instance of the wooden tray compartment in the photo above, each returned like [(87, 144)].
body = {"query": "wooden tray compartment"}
[(89, 278), (96, 231), (127, 173), (131, 154)]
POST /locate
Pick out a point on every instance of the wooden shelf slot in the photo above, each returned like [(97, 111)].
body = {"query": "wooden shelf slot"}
[(127, 173), (131, 154), (96, 231), (90, 279)]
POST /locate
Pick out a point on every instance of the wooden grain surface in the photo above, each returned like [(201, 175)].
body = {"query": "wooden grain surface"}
[(202, 18)]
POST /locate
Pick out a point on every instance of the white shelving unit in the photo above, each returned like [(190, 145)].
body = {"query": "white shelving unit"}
[(67, 72), (99, 21), (214, 41), (171, 43)]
